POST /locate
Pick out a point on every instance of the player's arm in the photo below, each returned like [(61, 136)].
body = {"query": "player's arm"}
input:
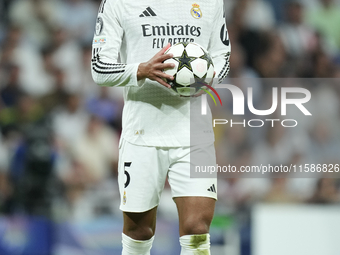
[(106, 71), (219, 45)]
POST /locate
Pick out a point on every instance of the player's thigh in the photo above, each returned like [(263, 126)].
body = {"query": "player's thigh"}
[(140, 226), (179, 176), (142, 173), (195, 214), (195, 197)]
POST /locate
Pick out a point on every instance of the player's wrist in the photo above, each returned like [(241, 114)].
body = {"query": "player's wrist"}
[(141, 73)]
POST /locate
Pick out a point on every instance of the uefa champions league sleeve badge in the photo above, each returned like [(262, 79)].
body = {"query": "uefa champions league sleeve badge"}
[(99, 26)]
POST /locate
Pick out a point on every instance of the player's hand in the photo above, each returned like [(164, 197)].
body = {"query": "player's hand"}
[(201, 92), (153, 69)]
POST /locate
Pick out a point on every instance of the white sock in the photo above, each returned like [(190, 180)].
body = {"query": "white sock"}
[(136, 247), (191, 244)]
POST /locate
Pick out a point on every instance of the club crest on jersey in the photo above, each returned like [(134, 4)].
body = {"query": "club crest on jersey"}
[(124, 198), (99, 26), (196, 11)]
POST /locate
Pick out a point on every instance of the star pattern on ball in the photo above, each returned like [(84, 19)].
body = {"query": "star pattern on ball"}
[(184, 61), (199, 82), (207, 58), (185, 44)]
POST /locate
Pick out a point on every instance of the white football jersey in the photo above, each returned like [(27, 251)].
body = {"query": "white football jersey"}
[(134, 31)]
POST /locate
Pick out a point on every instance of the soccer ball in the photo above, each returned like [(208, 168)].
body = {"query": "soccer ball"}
[(193, 68)]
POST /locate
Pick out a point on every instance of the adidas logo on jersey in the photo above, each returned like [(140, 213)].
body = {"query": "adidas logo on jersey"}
[(212, 188), (148, 12)]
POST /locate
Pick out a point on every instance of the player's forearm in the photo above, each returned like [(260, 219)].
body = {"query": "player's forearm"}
[(222, 67), (113, 74)]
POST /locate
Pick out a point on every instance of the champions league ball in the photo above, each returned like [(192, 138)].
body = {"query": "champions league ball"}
[(193, 68)]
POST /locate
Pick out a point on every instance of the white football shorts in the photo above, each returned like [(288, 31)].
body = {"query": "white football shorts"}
[(142, 173)]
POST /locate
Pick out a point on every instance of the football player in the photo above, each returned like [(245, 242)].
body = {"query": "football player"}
[(157, 142)]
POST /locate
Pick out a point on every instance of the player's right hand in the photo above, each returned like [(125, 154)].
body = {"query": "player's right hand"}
[(153, 69)]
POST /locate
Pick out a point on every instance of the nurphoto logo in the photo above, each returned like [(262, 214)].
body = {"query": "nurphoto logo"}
[(239, 103)]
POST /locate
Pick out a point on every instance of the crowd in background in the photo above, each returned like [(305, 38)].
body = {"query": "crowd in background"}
[(60, 131), (292, 39)]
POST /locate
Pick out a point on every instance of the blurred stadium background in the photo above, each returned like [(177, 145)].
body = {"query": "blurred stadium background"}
[(59, 135)]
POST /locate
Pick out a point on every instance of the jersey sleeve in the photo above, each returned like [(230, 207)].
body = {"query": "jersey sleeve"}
[(107, 41), (219, 45)]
